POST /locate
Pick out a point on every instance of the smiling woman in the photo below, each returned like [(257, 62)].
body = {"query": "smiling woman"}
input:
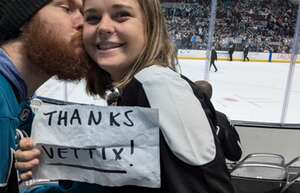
[(111, 29), (130, 46)]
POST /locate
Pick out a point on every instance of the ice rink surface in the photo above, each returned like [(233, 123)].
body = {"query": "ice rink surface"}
[(250, 91), (247, 91)]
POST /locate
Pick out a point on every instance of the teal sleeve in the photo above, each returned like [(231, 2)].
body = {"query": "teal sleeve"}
[(45, 188), (77, 187), (6, 147)]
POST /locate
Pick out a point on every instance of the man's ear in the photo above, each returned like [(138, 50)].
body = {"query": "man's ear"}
[(25, 27)]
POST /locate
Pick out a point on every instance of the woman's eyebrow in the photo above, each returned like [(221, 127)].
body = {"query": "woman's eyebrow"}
[(90, 10), (118, 6)]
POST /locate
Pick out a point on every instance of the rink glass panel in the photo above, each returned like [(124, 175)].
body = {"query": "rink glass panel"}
[(249, 91)]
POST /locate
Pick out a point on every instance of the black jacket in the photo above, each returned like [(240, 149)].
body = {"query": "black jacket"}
[(214, 55), (228, 137), (177, 175)]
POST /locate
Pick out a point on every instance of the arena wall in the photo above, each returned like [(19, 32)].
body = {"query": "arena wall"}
[(237, 56), (270, 138)]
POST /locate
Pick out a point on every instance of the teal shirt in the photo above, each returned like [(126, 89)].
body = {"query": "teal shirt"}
[(11, 117), (76, 187), (14, 113)]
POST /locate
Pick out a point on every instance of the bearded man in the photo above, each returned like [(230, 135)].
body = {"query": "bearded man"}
[(38, 39)]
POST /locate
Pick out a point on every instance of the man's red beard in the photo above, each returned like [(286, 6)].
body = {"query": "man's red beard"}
[(46, 49)]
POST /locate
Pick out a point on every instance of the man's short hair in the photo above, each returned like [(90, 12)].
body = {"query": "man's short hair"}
[(205, 87), (14, 14)]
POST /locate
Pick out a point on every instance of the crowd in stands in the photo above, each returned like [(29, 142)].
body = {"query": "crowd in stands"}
[(261, 24)]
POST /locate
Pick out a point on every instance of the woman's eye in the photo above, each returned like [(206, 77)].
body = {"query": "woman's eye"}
[(92, 19), (122, 16)]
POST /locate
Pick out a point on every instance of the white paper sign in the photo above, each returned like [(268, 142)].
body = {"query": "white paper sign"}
[(110, 146)]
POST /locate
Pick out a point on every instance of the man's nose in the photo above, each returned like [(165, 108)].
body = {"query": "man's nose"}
[(78, 20)]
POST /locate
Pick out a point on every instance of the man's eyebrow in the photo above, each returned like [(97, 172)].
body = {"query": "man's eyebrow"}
[(72, 3), (59, 1), (76, 3)]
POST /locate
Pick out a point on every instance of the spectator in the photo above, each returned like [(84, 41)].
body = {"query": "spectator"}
[(227, 134)]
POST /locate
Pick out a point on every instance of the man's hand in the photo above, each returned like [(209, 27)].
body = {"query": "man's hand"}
[(27, 158)]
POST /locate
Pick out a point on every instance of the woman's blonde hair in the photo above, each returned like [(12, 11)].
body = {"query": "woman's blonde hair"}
[(158, 50)]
